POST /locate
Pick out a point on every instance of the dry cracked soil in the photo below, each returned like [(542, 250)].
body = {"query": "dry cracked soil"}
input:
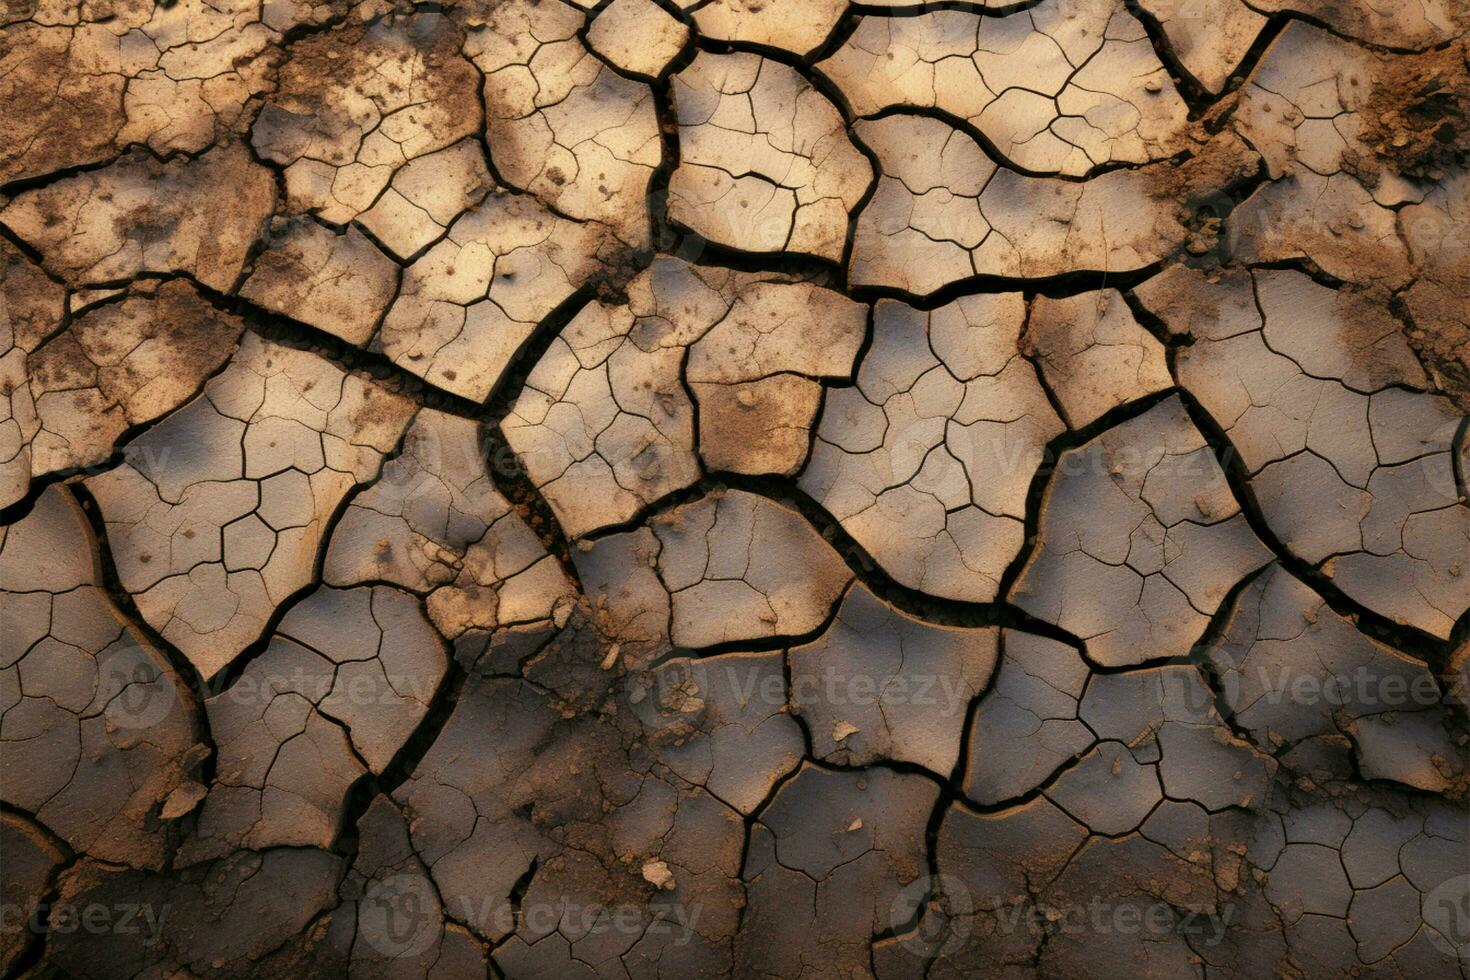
[(761, 488)]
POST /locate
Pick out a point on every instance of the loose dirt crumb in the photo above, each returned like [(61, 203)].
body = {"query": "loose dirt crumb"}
[(1418, 118)]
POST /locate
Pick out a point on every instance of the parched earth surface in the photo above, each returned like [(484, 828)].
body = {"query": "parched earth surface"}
[(760, 488)]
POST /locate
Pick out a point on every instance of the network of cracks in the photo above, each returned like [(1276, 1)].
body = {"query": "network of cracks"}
[(759, 488)]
